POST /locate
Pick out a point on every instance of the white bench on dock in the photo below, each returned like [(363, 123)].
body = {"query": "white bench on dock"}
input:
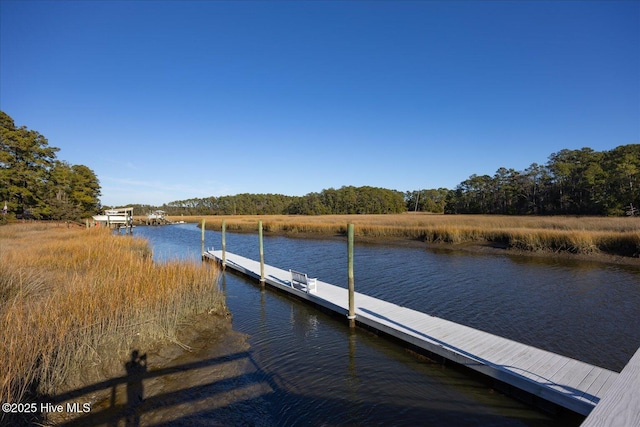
[(310, 283)]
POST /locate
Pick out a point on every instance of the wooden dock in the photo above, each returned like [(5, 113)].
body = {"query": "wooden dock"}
[(621, 405), (567, 382)]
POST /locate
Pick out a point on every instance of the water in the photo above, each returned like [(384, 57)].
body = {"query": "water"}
[(321, 373)]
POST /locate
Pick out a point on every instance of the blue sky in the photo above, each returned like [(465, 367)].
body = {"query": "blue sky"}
[(171, 100)]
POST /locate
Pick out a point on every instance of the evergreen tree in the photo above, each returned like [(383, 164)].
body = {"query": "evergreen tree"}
[(34, 184), (25, 162)]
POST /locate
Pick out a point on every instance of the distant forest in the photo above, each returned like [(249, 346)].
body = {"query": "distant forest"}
[(348, 200), (573, 182)]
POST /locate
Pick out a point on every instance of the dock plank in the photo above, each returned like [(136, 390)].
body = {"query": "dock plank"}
[(620, 405), (564, 381), (600, 387)]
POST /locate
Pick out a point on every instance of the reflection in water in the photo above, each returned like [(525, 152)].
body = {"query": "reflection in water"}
[(325, 374)]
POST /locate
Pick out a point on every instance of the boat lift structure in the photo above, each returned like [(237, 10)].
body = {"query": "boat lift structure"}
[(156, 218), (116, 218)]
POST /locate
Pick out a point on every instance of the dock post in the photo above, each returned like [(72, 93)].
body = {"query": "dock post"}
[(224, 244), (203, 238), (352, 311), (261, 254)]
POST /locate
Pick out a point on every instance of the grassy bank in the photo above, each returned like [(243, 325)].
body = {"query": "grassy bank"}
[(75, 302), (578, 235)]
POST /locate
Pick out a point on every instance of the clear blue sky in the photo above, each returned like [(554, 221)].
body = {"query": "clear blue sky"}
[(170, 100)]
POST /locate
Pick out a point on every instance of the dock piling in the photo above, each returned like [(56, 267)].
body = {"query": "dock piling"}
[(203, 220), (224, 244), (352, 311), (261, 254)]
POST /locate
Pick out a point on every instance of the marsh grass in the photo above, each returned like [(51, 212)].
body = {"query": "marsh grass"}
[(579, 235), (73, 303)]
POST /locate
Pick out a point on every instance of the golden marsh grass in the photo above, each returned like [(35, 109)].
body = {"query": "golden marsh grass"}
[(73, 303), (580, 235)]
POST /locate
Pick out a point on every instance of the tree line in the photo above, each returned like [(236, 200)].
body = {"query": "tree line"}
[(573, 182), (345, 200), (35, 184)]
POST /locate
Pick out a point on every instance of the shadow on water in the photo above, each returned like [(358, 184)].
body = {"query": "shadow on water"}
[(137, 402), (257, 398)]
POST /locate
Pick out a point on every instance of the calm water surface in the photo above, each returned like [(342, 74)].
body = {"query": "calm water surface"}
[(321, 373)]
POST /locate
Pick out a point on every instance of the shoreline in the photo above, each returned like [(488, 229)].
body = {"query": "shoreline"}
[(472, 247), (492, 248)]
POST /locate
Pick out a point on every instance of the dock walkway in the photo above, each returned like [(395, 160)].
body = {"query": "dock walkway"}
[(621, 405), (567, 382)]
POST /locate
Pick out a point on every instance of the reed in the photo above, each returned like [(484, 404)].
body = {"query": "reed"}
[(73, 303), (579, 235)]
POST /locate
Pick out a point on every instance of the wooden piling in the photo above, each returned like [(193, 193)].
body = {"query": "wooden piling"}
[(352, 310), (202, 252), (261, 254), (224, 244)]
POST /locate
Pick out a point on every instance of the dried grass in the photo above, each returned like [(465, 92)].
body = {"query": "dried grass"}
[(74, 302)]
